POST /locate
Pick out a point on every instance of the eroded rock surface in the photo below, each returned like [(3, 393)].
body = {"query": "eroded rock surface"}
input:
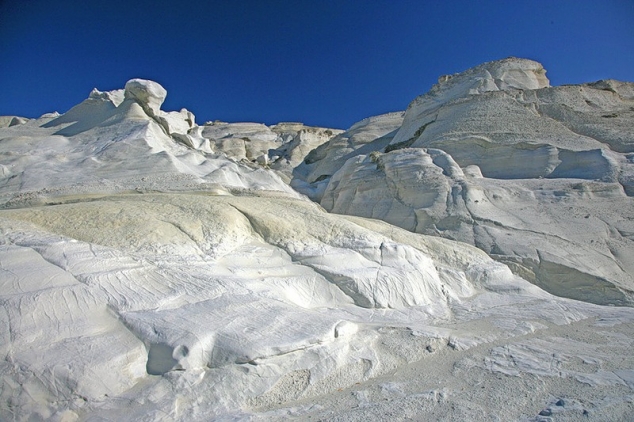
[(539, 177), (154, 269)]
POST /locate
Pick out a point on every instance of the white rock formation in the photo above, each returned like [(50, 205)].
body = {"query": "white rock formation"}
[(502, 75), (539, 178), (109, 143), (150, 95), (145, 278), (6, 121), (310, 176), (285, 144)]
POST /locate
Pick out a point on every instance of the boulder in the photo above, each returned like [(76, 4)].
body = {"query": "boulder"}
[(149, 94)]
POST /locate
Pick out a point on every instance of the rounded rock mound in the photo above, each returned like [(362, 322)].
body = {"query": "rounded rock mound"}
[(148, 93)]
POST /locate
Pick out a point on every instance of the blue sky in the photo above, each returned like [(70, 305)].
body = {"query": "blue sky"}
[(327, 63)]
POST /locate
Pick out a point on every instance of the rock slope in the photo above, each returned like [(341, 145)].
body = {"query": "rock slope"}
[(121, 140), (539, 177), (150, 269)]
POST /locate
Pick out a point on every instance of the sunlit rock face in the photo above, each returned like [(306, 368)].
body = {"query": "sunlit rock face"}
[(119, 141), (148, 94), (281, 147), (311, 176), (503, 75), (539, 177), (155, 269)]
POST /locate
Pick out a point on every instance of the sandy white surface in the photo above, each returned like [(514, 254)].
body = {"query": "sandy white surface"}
[(153, 269)]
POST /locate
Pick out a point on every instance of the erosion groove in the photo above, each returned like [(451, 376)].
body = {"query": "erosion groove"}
[(408, 143)]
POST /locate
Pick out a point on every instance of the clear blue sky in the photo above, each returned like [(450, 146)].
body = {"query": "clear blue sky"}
[(328, 63)]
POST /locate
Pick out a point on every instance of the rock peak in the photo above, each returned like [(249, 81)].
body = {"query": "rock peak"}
[(149, 94), (498, 75)]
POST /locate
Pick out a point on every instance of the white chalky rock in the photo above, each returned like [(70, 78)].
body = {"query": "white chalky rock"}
[(539, 177), (142, 277), (147, 93), (501, 75)]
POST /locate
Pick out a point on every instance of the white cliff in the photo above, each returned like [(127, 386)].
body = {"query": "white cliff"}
[(154, 269), (538, 177)]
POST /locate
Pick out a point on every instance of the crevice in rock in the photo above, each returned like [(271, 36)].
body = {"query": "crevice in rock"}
[(408, 143)]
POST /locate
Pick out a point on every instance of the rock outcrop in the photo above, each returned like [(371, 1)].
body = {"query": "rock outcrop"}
[(281, 147), (311, 176), (154, 269), (131, 261), (149, 94), (539, 177), (118, 141)]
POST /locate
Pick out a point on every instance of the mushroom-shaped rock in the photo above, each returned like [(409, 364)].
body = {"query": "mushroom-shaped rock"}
[(150, 95)]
